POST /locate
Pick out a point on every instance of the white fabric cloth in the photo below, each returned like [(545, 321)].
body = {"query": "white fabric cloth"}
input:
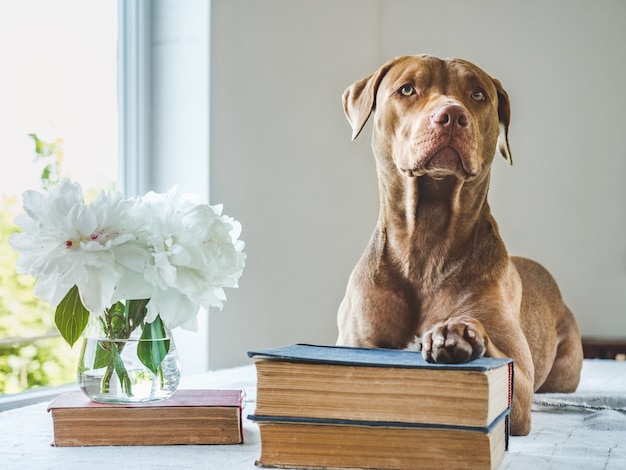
[(585, 430)]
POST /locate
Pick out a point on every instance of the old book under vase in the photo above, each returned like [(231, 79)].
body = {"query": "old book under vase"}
[(122, 273)]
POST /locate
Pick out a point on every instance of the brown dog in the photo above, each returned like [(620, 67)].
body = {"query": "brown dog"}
[(436, 269)]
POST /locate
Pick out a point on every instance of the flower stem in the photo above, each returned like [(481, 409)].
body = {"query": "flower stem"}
[(118, 323), (105, 384)]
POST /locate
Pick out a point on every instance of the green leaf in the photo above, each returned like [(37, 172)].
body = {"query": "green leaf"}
[(153, 346), (136, 312), (71, 316), (103, 356), (114, 322)]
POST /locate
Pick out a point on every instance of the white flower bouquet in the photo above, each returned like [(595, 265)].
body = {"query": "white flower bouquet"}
[(147, 262)]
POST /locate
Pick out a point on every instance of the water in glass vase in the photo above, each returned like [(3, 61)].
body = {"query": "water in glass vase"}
[(110, 370)]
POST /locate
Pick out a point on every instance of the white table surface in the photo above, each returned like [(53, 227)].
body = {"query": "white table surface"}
[(585, 430)]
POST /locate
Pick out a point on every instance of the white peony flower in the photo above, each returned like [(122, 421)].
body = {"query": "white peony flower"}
[(195, 252), (65, 243), (168, 248)]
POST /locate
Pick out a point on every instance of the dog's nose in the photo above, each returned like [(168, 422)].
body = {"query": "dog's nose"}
[(450, 116)]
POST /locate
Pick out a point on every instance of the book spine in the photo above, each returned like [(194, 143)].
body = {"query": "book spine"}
[(507, 431), (507, 424), (511, 373)]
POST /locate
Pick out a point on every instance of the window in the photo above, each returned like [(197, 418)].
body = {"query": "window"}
[(58, 105), (160, 77)]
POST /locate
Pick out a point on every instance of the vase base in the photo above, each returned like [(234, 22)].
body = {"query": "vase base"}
[(117, 400), (142, 391)]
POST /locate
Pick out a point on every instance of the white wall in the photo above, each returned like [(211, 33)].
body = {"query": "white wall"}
[(283, 164)]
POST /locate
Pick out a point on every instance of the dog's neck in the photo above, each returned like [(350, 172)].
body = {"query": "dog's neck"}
[(422, 218)]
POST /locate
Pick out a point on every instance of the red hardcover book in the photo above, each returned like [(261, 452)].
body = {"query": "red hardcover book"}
[(187, 417)]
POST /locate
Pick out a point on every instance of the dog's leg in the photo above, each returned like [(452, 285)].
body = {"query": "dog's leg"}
[(565, 373), (461, 339)]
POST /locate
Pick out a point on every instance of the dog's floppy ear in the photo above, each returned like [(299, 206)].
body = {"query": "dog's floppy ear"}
[(359, 99), (504, 115)]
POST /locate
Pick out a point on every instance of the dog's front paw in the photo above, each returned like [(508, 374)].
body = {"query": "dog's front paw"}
[(454, 341)]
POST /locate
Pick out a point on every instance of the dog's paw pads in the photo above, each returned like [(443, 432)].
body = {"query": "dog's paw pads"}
[(455, 341)]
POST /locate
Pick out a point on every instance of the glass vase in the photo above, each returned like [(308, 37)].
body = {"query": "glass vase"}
[(121, 366)]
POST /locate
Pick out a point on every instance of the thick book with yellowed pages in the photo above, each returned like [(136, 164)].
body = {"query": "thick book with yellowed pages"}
[(330, 382), (187, 417), (302, 443)]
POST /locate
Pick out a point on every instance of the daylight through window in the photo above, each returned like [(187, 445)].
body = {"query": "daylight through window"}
[(58, 118)]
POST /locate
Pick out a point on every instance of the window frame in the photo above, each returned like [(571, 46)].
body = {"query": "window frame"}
[(163, 78), (133, 93)]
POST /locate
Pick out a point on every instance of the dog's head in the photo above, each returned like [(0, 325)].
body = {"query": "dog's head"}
[(432, 116)]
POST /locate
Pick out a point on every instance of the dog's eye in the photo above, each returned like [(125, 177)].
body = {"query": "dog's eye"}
[(407, 90), (479, 95)]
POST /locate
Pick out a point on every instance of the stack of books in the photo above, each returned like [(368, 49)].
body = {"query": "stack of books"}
[(187, 417), (338, 407)]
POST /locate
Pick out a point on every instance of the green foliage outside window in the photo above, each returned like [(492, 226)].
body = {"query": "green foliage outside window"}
[(48, 361)]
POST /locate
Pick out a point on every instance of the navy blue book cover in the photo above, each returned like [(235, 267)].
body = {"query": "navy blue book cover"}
[(377, 424), (342, 355)]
